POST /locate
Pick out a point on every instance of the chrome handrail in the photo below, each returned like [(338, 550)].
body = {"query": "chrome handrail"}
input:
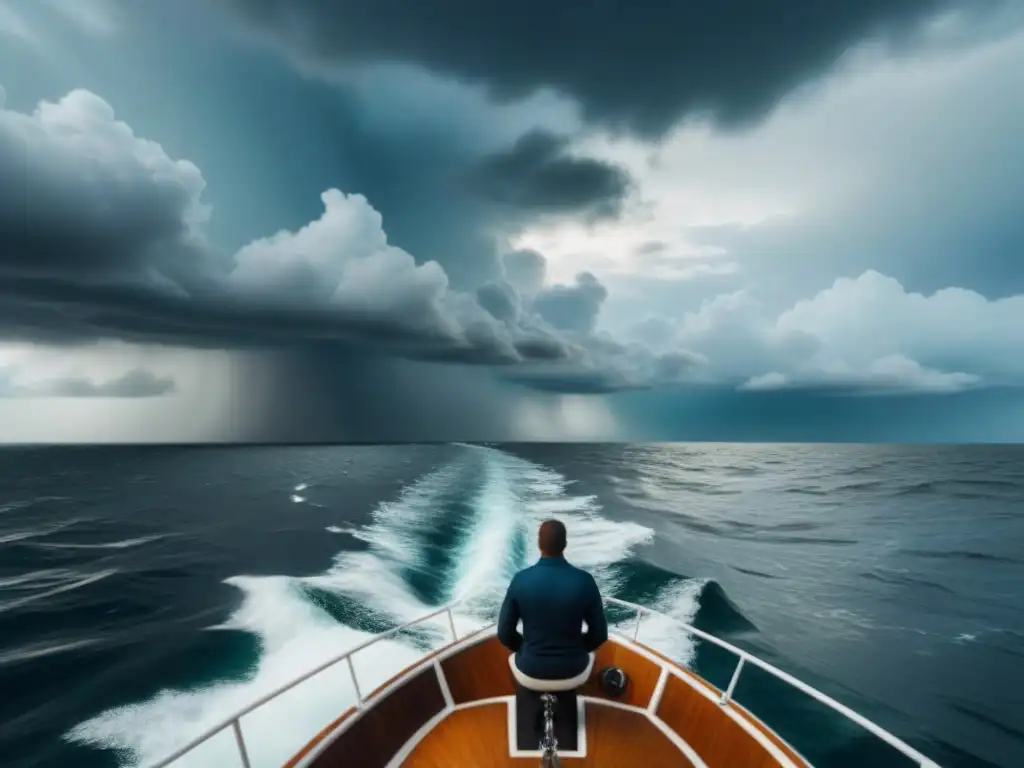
[(814, 693), (234, 722)]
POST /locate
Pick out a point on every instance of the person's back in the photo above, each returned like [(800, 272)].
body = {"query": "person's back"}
[(553, 598)]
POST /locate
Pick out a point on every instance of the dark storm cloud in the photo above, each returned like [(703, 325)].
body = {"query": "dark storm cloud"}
[(538, 176), (49, 310), (624, 368), (95, 227), (500, 299), (105, 238), (639, 64)]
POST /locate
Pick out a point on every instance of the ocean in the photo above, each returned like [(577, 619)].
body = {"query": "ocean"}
[(148, 592)]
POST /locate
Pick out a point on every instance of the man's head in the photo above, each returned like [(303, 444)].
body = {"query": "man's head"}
[(551, 538)]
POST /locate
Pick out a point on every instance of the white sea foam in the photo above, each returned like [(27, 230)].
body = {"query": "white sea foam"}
[(661, 631), (296, 635), (342, 529), (483, 563)]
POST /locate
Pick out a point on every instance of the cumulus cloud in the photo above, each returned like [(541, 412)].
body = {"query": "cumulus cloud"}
[(866, 334), (892, 373), (107, 238), (525, 270), (572, 307), (639, 65), (596, 362)]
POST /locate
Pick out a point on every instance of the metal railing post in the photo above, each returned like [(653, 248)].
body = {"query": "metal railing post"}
[(732, 683), (355, 681), (240, 740), (451, 623), (742, 656)]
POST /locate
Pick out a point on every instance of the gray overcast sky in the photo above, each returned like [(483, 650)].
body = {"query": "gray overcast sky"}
[(251, 220)]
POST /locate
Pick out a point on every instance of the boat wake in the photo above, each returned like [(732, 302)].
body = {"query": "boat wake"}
[(458, 533)]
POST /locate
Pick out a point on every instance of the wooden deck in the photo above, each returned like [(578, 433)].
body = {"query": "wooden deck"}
[(451, 689), (478, 737)]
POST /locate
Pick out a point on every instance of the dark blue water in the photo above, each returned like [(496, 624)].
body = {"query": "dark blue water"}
[(146, 593)]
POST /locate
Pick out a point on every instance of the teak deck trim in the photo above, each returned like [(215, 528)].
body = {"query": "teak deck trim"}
[(684, 701), (770, 742)]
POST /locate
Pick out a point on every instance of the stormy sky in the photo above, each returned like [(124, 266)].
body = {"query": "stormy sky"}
[(362, 220)]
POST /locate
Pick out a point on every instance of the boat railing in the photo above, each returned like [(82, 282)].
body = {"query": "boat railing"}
[(235, 721), (744, 657)]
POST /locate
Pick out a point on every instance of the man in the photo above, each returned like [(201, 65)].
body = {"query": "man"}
[(553, 599)]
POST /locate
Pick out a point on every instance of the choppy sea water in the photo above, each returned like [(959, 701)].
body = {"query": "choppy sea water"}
[(147, 593)]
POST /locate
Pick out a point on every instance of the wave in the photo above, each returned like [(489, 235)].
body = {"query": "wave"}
[(123, 544), (11, 537), (41, 649), (957, 554), (65, 582), (16, 506), (458, 533), (888, 576), (962, 488), (752, 572)]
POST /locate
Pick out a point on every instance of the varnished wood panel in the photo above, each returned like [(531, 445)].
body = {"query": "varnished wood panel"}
[(478, 737), (746, 714), (680, 668), (720, 741), (379, 733), (642, 673), (479, 672)]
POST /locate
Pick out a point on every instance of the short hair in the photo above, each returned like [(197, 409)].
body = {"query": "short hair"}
[(551, 537)]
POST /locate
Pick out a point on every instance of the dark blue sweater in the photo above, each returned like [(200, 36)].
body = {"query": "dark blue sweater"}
[(553, 599)]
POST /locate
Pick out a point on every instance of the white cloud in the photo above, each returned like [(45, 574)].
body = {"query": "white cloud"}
[(867, 333), (874, 316), (892, 373), (343, 260)]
